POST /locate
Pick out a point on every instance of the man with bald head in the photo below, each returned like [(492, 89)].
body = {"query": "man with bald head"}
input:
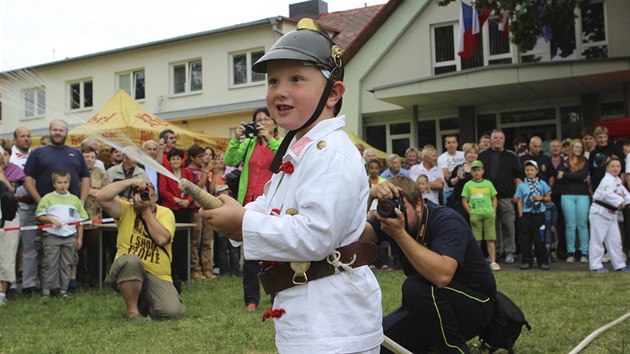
[(503, 169), (545, 167), (56, 156)]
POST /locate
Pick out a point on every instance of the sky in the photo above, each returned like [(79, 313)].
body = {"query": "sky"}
[(34, 32)]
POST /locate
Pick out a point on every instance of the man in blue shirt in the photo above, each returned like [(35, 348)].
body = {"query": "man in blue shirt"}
[(446, 298)]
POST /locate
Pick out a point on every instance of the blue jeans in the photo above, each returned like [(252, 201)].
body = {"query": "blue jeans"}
[(575, 209)]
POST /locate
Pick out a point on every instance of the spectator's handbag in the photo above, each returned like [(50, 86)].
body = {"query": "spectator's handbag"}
[(8, 204)]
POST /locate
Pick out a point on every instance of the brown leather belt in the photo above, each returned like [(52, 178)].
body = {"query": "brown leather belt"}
[(283, 276)]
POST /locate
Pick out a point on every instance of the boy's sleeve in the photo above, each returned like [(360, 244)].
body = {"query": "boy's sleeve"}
[(465, 190), (545, 187), (493, 191), (42, 206)]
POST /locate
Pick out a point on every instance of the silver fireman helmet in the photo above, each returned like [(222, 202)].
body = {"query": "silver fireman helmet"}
[(310, 43)]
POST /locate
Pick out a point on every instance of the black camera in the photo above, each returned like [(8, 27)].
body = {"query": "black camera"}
[(386, 208), (144, 194), (251, 130)]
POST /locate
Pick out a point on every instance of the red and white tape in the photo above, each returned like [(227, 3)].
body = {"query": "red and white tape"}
[(46, 226)]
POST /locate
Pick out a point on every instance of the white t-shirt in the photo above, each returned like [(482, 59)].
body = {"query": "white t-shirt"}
[(432, 174), (450, 161)]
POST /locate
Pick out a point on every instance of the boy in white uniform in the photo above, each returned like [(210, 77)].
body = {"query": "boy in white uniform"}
[(609, 197), (313, 206)]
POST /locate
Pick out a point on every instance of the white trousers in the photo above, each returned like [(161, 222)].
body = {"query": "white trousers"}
[(604, 231), (9, 242)]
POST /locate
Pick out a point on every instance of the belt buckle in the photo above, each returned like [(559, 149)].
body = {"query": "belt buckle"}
[(300, 269)]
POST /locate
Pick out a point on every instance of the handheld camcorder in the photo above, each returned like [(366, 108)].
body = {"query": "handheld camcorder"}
[(251, 130), (144, 193), (386, 208)]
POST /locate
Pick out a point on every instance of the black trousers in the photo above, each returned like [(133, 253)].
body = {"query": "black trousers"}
[(179, 263), (530, 233), (251, 285), (437, 318)]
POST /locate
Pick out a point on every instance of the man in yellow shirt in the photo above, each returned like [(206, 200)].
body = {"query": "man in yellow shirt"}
[(141, 271)]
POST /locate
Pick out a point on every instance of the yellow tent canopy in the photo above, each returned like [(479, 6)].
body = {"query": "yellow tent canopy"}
[(123, 121)]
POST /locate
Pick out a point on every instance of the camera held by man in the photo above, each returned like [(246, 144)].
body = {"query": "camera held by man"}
[(143, 193)]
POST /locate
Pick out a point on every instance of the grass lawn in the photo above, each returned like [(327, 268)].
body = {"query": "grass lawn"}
[(562, 307)]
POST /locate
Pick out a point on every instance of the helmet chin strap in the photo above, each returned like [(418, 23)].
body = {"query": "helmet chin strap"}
[(277, 159)]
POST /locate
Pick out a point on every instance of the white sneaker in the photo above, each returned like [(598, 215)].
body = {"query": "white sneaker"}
[(570, 259), (583, 259), (495, 266), (606, 258), (3, 301)]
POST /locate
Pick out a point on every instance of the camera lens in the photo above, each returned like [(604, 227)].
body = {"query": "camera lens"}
[(385, 208)]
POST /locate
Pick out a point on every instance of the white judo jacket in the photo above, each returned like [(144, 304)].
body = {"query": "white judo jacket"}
[(610, 191), (322, 206)]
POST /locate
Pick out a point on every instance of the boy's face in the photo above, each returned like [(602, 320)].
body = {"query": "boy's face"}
[(531, 171), (602, 139), (423, 184), (62, 184), (477, 173), (614, 168), (626, 149), (293, 92), (589, 141)]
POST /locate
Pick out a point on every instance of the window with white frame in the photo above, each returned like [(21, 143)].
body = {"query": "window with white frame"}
[(499, 48), (187, 77), (81, 94), (493, 47), (133, 83), (592, 31), (242, 62), (444, 59), (394, 137), (34, 102)]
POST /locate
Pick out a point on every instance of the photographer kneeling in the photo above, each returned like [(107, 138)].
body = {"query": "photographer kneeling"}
[(446, 298), (141, 271)]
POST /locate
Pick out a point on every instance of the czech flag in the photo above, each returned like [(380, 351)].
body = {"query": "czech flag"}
[(471, 21)]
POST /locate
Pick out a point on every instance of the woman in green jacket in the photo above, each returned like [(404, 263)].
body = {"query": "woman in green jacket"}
[(254, 145)]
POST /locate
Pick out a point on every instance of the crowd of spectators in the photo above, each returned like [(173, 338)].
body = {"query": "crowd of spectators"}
[(544, 192), (28, 174), (538, 197)]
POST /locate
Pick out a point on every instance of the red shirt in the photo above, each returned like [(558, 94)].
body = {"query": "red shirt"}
[(258, 173), (169, 189)]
